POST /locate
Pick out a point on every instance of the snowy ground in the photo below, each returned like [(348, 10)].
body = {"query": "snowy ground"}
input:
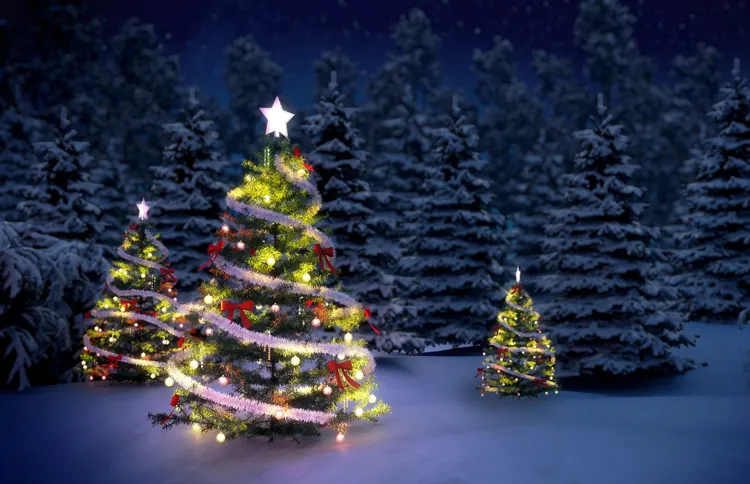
[(689, 429)]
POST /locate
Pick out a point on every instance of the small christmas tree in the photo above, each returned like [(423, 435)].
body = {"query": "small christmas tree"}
[(520, 360), (282, 384), (134, 321)]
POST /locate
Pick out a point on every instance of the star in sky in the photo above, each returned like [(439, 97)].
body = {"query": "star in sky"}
[(277, 118), (142, 210)]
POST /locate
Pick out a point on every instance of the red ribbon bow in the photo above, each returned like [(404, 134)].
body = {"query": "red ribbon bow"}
[(308, 303), (180, 341), (325, 253), (87, 315), (168, 275), (213, 250), (133, 226), (540, 382), (502, 352), (229, 307), (368, 314), (113, 361), (153, 314), (308, 167), (173, 403), (130, 304), (338, 369), (479, 372), (297, 152), (516, 289)]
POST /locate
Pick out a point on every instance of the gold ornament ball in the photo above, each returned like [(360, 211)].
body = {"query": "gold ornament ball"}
[(193, 365), (327, 390), (372, 399), (275, 308), (169, 381), (306, 277), (348, 337), (316, 323), (271, 261), (220, 437), (358, 412), (295, 360), (209, 300), (279, 414), (359, 375), (340, 437)]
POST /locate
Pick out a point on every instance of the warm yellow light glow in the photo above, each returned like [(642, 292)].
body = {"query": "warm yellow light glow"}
[(209, 331), (271, 261), (372, 399), (348, 337), (341, 356), (169, 381), (153, 375), (295, 360), (306, 277), (208, 299), (114, 298), (143, 275), (267, 198), (143, 354), (340, 437), (165, 341), (196, 426), (164, 309), (279, 414), (225, 228), (193, 365), (359, 375), (358, 412), (220, 437)]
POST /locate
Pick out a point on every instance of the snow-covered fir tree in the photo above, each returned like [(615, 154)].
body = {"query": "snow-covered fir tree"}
[(253, 79), (364, 253), (145, 97), (18, 133), (190, 195), (57, 201), (347, 75), (537, 193), (456, 252), (511, 117), (714, 260), (606, 315)]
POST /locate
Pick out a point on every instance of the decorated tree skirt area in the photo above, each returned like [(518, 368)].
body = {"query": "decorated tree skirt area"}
[(685, 429)]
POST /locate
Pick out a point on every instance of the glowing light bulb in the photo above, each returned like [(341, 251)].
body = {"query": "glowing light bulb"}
[(359, 375), (348, 337), (220, 437), (279, 414), (152, 375), (104, 377), (196, 426), (341, 356), (223, 380), (271, 261), (275, 308), (180, 325), (164, 309), (267, 198), (169, 381), (301, 172), (165, 341), (340, 437), (91, 378), (372, 399), (295, 360), (225, 228), (209, 331), (358, 412), (96, 328), (143, 355), (241, 245), (306, 277), (193, 365), (208, 299), (143, 276), (316, 323), (327, 390), (114, 298), (135, 325)]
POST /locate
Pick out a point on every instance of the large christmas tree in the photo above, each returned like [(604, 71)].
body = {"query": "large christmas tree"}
[(135, 325), (606, 315), (457, 247), (521, 360), (274, 263), (714, 256)]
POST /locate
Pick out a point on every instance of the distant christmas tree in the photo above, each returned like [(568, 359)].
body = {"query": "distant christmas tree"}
[(339, 164), (520, 360), (455, 254), (714, 260), (190, 195), (275, 264), (605, 315), (133, 328), (347, 75)]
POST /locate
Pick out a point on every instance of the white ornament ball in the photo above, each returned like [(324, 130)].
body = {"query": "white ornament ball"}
[(316, 323), (340, 437), (220, 437), (275, 308), (359, 375), (152, 375), (306, 277), (348, 337), (169, 381), (114, 298), (341, 356), (209, 300), (279, 414), (358, 412), (241, 245), (193, 365), (209, 331), (372, 399), (295, 360), (225, 228), (327, 390), (223, 380)]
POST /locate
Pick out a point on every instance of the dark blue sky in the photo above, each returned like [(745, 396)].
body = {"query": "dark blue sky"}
[(295, 31)]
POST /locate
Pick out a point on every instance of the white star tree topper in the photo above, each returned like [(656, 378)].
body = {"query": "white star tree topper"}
[(518, 274), (142, 210), (277, 118)]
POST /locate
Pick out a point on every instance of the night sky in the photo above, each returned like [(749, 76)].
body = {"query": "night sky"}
[(295, 32)]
